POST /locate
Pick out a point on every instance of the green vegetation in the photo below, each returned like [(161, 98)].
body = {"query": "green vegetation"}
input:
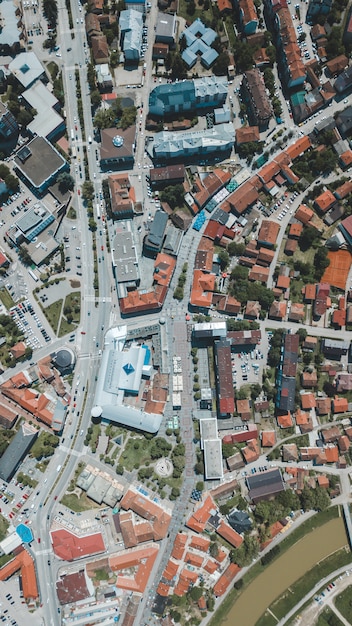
[(4, 524), (173, 195), (243, 290), (5, 438), (190, 11), (314, 522), (343, 603), (328, 618), (71, 313), (312, 164), (12, 335), (52, 314), (6, 299), (115, 116), (45, 445), (179, 291), (78, 504), (26, 480)]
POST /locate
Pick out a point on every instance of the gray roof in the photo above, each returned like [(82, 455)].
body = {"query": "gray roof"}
[(16, 451), (165, 26), (195, 142), (157, 231), (109, 398), (42, 163), (9, 33), (124, 254), (27, 68), (265, 484), (213, 459)]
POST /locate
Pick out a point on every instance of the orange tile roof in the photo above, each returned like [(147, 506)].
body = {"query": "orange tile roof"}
[(24, 562), (344, 443), (323, 481), (346, 158), (268, 438), (141, 561), (202, 289), (163, 590), (259, 273), (295, 230), (325, 200), (308, 401), (226, 579), (268, 233), (164, 268), (300, 146), (170, 570), (269, 170), (179, 546), (200, 543), (149, 510), (194, 559), (210, 566), (18, 349), (340, 405), (68, 546), (243, 197), (301, 417), (251, 451), (200, 517), (283, 282), (304, 214), (285, 421), (226, 532), (332, 454)]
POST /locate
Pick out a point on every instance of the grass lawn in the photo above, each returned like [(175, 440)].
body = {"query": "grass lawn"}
[(78, 505), (4, 524), (73, 305), (199, 12), (343, 603), (52, 314), (53, 69), (132, 456), (6, 298), (325, 618), (71, 214)]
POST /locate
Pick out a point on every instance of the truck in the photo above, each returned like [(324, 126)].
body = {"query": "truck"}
[(98, 211), (32, 274), (72, 134), (89, 139)]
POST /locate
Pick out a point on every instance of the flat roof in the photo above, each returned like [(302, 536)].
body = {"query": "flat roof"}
[(27, 68), (124, 254), (213, 459), (39, 161), (17, 450)]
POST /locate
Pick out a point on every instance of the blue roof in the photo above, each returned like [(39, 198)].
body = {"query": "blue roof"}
[(128, 368), (24, 533), (147, 355)]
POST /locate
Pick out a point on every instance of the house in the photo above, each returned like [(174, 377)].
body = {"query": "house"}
[(260, 274), (251, 452), (289, 452), (285, 421), (304, 214), (343, 382), (243, 409), (325, 201), (296, 312), (322, 299), (278, 310), (339, 405), (309, 379), (290, 246), (308, 401), (331, 434), (337, 65), (268, 438), (268, 233), (248, 17), (252, 310), (283, 282), (247, 134), (18, 350), (100, 49), (265, 485), (323, 406), (256, 97), (310, 343)]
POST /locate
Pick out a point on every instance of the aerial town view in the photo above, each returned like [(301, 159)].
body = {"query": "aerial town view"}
[(175, 312)]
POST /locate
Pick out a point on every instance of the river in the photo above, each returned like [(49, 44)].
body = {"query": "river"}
[(288, 568)]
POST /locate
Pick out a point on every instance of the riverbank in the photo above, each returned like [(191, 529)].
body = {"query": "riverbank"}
[(226, 613)]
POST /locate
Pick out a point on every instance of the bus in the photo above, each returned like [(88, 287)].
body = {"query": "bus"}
[(32, 274), (98, 211), (73, 152), (72, 134)]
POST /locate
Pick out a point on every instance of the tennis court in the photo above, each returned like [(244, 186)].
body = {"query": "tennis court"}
[(337, 272)]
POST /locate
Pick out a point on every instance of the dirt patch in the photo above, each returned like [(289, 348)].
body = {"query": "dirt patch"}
[(75, 283)]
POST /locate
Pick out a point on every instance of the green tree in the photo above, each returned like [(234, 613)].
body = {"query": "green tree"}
[(308, 237), (224, 259), (65, 182), (88, 190), (24, 255), (95, 98), (321, 262)]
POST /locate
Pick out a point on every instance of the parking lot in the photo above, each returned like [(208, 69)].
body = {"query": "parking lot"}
[(13, 608), (246, 367), (30, 325)]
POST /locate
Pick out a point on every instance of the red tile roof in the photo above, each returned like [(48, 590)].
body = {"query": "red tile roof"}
[(226, 579), (155, 514), (200, 517), (68, 546), (226, 532)]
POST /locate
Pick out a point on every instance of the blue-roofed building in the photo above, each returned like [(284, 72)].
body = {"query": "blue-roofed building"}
[(16, 451), (131, 28), (212, 144), (136, 5), (199, 39), (190, 95)]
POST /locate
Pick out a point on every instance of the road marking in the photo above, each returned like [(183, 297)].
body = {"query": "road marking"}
[(94, 299), (69, 451)]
